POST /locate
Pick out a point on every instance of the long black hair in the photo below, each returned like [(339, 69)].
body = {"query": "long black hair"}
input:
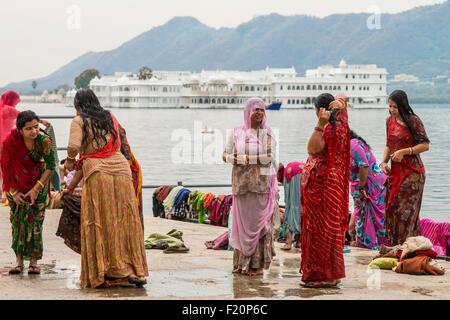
[(354, 135), (323, 101), (94, 116), (404, 109), (24, 117)]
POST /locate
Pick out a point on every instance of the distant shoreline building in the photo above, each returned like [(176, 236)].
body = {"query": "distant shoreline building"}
[(364, 85), (403, 77)]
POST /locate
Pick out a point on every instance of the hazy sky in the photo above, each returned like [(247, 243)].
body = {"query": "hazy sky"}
[(37, 37)]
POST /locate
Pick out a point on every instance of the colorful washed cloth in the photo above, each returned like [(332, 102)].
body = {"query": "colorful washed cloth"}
[(369, 214), (438, 233), (69, 223), (21, 169), (406, 182), (173, 239), (325, 201)]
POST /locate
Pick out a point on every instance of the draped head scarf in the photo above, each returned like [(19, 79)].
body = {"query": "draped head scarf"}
[(8, 112), (252, 212)]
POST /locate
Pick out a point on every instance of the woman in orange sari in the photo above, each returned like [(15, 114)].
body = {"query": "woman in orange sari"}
[(325, 195), (112, 237)]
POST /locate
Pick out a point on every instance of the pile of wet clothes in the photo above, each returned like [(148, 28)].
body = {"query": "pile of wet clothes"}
[(415, 256), (180, 203), (172, 242)]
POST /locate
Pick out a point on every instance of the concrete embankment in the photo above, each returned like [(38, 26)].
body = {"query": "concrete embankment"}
[(204, 274)]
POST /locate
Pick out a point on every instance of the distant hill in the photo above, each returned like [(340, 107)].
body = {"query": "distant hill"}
[(416, 41)]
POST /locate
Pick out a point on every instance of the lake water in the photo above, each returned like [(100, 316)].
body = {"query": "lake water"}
[(171, 148)]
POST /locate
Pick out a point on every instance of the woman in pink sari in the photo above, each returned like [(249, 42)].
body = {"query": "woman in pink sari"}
[(8, 114), (250, 150)]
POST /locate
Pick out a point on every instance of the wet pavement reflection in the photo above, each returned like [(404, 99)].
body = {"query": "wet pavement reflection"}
[(195, 283)]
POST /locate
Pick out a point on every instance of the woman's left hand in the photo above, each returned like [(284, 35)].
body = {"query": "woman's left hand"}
[(363, 194), (45, 123), (397, 156), (33, 193)]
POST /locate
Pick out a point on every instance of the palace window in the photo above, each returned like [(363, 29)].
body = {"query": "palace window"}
[(308, 87)]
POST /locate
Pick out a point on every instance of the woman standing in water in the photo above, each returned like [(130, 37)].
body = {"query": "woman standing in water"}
[(406, 140)]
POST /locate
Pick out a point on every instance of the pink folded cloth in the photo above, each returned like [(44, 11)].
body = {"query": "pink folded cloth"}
[(437, 232)]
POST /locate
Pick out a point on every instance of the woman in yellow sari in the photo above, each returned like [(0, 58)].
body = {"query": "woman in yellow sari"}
[(112, 238)]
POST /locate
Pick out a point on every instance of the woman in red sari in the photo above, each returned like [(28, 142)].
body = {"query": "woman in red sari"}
[(406, 140), (325, 195), (8, 114)]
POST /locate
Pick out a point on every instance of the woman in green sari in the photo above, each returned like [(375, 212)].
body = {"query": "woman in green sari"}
[(27, 162)]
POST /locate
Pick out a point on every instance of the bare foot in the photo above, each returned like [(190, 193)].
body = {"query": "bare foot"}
[(286, 248), (237, 270), (255, 272)]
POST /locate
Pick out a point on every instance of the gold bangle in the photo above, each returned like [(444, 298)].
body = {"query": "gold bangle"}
[(42, 185)]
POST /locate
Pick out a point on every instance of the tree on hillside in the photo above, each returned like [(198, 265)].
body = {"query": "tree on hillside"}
[(83, 80), (145, 73), (34, 85)]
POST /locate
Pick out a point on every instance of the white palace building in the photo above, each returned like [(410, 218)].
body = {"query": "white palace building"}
[(365, 85)]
